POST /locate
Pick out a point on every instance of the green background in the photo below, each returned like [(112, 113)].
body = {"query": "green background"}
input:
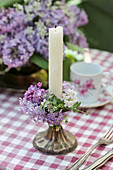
[(99, 30)]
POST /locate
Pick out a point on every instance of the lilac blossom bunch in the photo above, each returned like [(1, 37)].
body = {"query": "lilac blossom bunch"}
[(46, 107), (18, 52), (11, 21), (46, 14), (24, 29), (16, 47)]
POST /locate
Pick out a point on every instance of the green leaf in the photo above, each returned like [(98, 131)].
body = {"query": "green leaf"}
[(54, 100), (52, 110), (57, 128), (39, 61), (66, 69), (7, 3), (66, 121), (87, 112), (60, 106), (51, 127), (78, 104), (40, 107), (49, 106), (65, 117), (74, 47)]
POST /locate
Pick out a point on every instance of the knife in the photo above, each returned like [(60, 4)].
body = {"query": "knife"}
[(100, 161)]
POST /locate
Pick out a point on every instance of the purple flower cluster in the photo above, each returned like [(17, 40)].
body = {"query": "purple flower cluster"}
[(70, 17), (26, 31), (37, 102), (11, 21), (30, 104), (66, 86), (55, 118), (16, 48), (16, 52), (35, 94)]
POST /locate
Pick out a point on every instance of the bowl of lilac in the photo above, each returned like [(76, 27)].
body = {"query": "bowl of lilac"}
[(24, 38)]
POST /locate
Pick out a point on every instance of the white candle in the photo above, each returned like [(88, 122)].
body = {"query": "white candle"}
[(55, 60)]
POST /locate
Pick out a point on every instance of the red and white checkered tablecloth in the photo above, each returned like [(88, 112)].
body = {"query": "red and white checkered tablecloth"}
[(17, 132)]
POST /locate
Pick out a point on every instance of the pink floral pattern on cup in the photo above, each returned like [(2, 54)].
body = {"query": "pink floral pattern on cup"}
[(85, 87)]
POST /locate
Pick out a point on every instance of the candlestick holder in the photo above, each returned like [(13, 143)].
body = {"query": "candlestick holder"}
[(55, 142), (46, 107)]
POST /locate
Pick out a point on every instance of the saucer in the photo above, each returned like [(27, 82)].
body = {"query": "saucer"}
[(105, 97)]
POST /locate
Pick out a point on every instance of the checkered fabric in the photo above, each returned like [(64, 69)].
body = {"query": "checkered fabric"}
[(17, 132)]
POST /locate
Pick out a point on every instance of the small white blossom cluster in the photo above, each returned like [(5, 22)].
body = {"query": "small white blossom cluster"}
[(69, 98), (30, 31), (45, 103), (42, 29), (74, 54)]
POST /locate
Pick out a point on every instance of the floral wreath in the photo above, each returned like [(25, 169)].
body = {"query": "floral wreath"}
[(46, 107)]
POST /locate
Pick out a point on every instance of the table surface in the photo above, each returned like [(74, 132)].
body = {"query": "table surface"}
[(17, 132)]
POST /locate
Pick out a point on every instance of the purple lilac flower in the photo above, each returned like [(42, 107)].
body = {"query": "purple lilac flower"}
[(69, 17), (16, 52), (59, 19), (67, 86), (41, 45), (11, 21), (35, 94), (17, 47), (30, 104), (78, 39), (82, 19), (55, 118), (32, 109)]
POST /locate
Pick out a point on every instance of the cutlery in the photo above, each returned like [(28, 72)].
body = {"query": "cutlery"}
[(100, 161), (106, 140)]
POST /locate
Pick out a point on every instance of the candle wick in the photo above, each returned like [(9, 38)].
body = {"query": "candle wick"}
[(55, 26)]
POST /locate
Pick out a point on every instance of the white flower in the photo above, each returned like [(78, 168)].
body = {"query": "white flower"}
[(43, 103), (30, 16), (29, 9), (74, 54), (42, 30), (30, 30), (69, 98), (19, 7), (25, 0), (36, 5)]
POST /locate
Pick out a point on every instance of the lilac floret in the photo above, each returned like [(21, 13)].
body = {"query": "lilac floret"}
[(67, 86), (16, 52), (55, 118), (11, 21)]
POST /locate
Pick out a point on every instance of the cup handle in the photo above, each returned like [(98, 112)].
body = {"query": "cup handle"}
[(105, 86)]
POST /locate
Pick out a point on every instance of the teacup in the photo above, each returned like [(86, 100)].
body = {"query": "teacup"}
[(87, 79)]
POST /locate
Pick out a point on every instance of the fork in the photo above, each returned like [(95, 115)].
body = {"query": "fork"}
[(106, 140), (100, 161)]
